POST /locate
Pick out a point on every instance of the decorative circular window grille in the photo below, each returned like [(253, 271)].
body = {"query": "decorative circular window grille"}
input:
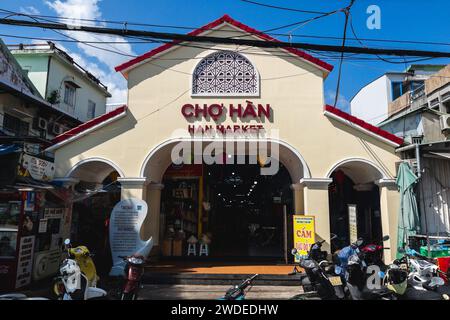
[(225, 73)]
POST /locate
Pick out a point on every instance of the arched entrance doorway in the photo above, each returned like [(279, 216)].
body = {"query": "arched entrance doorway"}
[(354, 199), (95, 194), (243, 212)]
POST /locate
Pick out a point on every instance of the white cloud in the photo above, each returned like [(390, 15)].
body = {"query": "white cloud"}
[(342, 101), (106, 61), (29, 10)]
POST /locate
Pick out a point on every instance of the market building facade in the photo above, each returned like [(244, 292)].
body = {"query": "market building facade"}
[(194, 96)]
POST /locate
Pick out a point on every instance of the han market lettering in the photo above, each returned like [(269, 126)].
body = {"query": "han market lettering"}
[(219, 112)]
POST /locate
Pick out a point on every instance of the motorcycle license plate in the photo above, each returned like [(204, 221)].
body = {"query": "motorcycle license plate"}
[(335, 281)]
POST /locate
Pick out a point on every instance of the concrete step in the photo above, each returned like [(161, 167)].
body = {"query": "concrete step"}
[(186, 278)]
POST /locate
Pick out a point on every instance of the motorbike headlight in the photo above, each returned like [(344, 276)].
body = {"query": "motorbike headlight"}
[(308, 264), (135, 260)]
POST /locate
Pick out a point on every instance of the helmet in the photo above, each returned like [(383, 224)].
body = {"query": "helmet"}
[(397, 280)]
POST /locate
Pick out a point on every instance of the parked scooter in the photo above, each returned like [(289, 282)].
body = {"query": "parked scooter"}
[(352, 264), (370, 254), (320, 279), (356, 280), (423, 278), (238, 292), (133, 273), (78, 276)]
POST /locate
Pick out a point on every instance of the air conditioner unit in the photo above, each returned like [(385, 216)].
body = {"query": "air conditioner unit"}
[(58, 129), (445, 122), (412, 163), (40, 123)]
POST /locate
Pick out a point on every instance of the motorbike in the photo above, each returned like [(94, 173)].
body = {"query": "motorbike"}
[(352, 263), (134, 270), (320, 279), (78, 277), (238, 292), (356, 281), (423, 281)]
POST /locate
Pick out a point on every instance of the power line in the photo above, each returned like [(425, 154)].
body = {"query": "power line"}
[(67, 36), (220, 40), (234, 31), (338, 84), (282, 8)]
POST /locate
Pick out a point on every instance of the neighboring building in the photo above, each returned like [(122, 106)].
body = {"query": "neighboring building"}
[(62, 81), (27, 123), (421, 116), (24, 114), (372, 103), (329, 160)]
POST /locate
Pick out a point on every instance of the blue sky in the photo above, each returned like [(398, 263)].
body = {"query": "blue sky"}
[(400, 20)]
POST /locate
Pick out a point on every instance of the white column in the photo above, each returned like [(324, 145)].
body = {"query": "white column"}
[(133, 188), (297, 192), (152, 222), (389, 206), (317, 205)]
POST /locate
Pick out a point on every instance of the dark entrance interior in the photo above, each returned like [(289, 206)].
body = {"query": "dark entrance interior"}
[(247, 219), (242, 211), (344, 192), (90, 219)]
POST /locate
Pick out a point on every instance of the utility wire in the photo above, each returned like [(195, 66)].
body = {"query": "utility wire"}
[(338, 85), (67, 36), (281, 8), (234, 31), (220, 40)]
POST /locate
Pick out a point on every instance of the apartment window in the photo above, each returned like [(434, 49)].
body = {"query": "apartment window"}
[(15, 125), (91, 110), (69, 94), (447, 106), (397, 89)]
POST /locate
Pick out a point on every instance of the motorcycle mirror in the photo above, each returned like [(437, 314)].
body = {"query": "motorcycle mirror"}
[(294, 251), (386, 238), (67, 242), (359, 242)]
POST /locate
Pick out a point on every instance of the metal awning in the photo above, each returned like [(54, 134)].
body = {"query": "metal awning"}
[(439, 155)]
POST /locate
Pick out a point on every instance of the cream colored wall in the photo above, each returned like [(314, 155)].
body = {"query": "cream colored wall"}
[(294, 89), (158, 89)]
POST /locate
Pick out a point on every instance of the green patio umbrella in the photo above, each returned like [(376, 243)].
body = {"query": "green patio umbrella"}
[(408, 217)]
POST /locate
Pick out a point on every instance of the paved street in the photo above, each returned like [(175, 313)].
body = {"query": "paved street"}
[(212, 292)]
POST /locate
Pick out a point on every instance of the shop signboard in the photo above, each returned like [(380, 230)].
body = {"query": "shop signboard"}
[(304, 234), (25, 261), (36, 168), (352, 223), (125, 225)]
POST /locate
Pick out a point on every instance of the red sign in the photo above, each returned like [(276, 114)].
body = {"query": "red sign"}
[(216, 111)]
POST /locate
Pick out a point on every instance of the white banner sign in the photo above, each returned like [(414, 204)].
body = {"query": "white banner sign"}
[(353, 223), (126, 221), (25, 261)]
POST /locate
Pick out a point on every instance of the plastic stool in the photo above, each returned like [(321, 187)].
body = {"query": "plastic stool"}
[(192, 249), (204, 249)]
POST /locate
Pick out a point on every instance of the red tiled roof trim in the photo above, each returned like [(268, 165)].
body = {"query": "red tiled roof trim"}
[(367, 126), (226, 18), (89, 124)]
